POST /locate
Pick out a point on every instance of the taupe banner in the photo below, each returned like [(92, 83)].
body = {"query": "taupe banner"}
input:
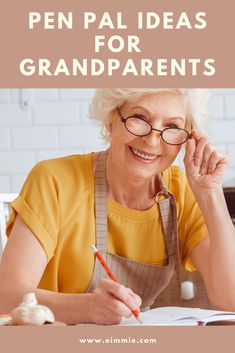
[(51, 43), (116, 339)]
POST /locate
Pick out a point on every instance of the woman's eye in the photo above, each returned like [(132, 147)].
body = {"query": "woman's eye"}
[(139, 116), (172, 126)]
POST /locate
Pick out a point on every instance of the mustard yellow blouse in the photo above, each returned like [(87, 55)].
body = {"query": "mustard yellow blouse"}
[(57, 204)]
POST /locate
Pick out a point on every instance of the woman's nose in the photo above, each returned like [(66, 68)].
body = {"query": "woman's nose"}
[(153, 139)]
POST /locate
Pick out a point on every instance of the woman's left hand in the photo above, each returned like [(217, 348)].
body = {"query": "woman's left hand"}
[(205, 167)]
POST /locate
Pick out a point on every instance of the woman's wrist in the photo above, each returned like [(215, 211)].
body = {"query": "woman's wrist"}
[(214, 209), (85, 308), (208, 194), (208, 198)]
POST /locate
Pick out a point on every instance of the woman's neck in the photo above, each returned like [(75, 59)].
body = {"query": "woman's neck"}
[(128, 190)]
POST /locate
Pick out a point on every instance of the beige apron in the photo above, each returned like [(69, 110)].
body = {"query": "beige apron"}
[(146, 280)]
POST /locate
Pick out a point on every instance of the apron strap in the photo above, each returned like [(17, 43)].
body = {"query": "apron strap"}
[(101, 203), (168, 210)]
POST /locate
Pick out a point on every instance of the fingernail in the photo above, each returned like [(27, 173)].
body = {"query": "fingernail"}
[(135, 307)]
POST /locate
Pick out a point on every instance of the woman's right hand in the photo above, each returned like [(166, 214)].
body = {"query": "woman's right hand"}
[(110, 301)]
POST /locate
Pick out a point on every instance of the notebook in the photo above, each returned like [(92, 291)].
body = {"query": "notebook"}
[(180, 316)]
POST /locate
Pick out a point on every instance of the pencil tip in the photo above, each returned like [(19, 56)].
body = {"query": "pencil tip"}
[(139, 321)]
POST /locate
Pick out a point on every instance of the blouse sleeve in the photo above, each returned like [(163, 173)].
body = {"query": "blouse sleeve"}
[(37, 205)]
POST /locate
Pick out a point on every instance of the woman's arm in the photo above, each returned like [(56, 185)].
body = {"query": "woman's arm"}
[(213, 257), (22, 266)]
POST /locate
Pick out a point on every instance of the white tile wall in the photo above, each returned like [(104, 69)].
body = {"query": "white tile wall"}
[(15, 162), (11, 114), (48, 154), (75, 94), (30, 138), (5, 184), (4, 138), (230, 106), (56, 113), (231, 153), (46, 94), (4, 95), (16, 181), (56, 124), (223, 131), (83, 136), (216, 106)]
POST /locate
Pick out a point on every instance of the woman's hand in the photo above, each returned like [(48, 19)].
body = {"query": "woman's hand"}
[(110, 301), (205, 167)]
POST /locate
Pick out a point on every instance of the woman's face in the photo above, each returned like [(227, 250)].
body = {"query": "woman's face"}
[(161, 110)]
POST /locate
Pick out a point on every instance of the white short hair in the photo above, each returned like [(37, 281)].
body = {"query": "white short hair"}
[(106, 100)]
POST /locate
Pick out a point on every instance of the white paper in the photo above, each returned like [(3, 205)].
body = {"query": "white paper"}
[(178, 316)]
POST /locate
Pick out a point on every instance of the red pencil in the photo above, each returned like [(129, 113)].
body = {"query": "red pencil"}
[(111, 275)]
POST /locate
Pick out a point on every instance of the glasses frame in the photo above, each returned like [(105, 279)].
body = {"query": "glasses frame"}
[(124, 120)]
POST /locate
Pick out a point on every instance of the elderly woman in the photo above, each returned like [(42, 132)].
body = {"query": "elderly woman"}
[(145, 216)]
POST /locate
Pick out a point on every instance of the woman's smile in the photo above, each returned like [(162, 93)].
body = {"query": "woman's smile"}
[(143, 156)]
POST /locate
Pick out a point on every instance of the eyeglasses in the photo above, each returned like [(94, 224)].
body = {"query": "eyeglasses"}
[(137, 126)]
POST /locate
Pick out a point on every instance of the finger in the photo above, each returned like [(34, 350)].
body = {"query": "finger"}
[(213, 161), (189, 152), (200, 146), (207, 153), (218, 162), (111, 306), (135, 297), (197, 136), (120, 292), (112, 303), (119, 308), (224, 160), (115, 308)]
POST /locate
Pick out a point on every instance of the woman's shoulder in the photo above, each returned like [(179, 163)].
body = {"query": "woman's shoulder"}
[(77, 163), (63, 171)]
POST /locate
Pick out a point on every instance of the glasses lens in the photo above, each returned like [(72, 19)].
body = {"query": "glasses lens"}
[(138, 126), (175, 136)]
